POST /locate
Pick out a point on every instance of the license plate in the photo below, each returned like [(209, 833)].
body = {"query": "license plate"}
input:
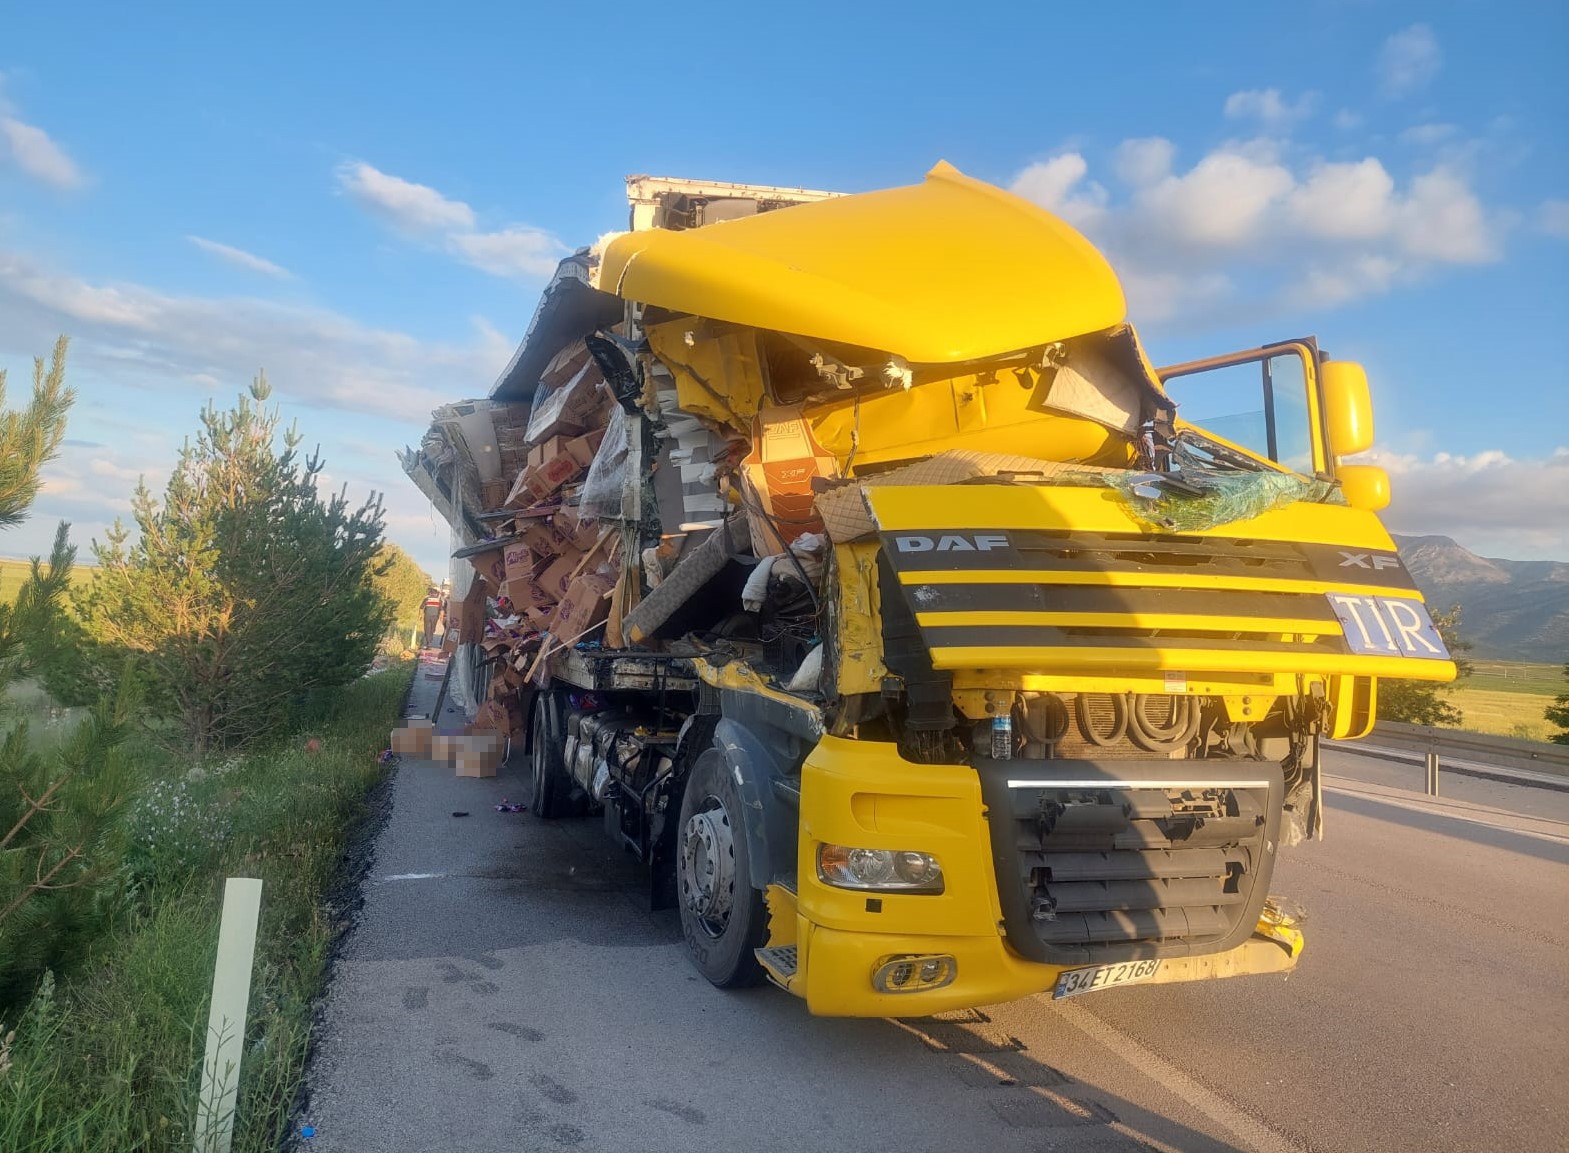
[(1388, 626), (1076, 981)]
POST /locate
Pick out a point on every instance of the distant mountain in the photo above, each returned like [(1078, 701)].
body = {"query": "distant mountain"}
[(1509, 609)]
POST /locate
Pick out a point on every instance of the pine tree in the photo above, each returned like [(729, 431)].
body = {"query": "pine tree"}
[(1558, 714), (246, 593), (30, 437), (1419, 702), (58, 809)]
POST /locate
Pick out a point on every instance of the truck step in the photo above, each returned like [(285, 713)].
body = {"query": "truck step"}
[(779, 961)]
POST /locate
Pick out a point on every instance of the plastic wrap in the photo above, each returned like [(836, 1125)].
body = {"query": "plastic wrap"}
[(604, 491), (1193, 501), (462, 686)]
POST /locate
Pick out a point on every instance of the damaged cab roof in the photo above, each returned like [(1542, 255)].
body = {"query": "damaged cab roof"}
[(941, 272)]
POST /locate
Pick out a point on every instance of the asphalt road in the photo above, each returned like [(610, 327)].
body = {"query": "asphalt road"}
[(506, 989)]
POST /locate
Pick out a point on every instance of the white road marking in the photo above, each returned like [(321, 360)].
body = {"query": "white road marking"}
[(1258, 1136), (414, 876)]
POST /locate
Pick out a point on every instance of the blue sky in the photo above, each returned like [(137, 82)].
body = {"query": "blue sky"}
[(365, 199)]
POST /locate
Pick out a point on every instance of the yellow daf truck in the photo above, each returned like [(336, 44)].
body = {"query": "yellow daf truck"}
[(956, 651)]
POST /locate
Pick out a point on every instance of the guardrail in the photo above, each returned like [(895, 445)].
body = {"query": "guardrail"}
[(1476, 752), (1505, 752)]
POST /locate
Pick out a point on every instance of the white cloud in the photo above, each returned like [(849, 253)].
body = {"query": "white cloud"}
[(1552, 217), (404, 204), (1331, 285), (1490, 502), (240, 258), (1144, 161), (1220, 202), (1409, 60), (30, 150), (1346, 120), (1442, 220), (1264, 226), (516, 250), (313, 357), (1269, 107), (1056, 184), (1344, 201)]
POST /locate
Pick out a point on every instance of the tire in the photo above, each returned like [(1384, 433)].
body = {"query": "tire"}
[(547, 738), (723, 918)]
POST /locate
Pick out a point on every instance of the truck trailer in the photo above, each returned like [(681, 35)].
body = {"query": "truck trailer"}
[(847, 557)]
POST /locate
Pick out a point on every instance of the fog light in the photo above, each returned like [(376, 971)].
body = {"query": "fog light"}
[(883, 870), (915, 973)]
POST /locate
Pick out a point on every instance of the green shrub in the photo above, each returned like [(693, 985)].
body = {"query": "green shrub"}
[(108, 1059)]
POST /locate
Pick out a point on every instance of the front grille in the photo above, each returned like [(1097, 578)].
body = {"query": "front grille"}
[(1102, 861), (1120, 552)]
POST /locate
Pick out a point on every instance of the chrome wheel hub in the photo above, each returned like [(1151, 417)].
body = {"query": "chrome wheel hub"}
[(708, 866)]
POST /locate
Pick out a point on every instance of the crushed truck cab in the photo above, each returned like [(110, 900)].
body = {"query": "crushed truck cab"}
[(849, 558)]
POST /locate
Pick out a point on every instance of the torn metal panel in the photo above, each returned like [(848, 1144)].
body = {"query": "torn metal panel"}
[(570, 308), (858, 641), (456, 457), (665, 202), (718, 369)]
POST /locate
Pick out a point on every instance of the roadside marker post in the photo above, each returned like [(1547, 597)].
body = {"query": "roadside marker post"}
[(231, 997), (1432, 772)]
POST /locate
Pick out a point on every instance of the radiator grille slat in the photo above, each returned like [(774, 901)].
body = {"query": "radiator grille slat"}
[(1100, 874)]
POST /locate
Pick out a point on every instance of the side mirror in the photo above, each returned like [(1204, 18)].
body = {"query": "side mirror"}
[(1365, 485), (1348, 407)]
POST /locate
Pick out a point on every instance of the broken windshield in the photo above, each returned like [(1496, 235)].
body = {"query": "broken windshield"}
[(1259, 404)]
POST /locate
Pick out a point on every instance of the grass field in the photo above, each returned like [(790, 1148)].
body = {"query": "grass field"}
[(1517, 677), (13, 572), (1503, 714), (105, 1057)]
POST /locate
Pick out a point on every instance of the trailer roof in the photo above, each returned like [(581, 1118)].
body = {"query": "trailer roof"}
[(948, 270)]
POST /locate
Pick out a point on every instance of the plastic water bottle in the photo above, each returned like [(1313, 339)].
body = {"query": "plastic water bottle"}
[(1002, 738)]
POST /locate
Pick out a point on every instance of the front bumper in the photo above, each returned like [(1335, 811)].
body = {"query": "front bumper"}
[(835, 968), (863, 793)]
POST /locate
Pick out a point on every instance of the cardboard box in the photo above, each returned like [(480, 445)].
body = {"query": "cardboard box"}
[(471, 615), (519, 561), (539, 616), (540, 480), (555, 579), (492, 494), (413, 738), (547, 448), (570, 408), (479, 754), (779, 471), (528, 592), (582, 448), (444, 748), (571, 530), (565, 364), (503, 715), (586, 604), (491, 564), (540, 539)]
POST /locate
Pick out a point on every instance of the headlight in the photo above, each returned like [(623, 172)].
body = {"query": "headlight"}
[(883, 870)]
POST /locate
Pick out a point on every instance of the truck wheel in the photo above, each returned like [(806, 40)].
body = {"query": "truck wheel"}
[(552, 789), (722, 917)]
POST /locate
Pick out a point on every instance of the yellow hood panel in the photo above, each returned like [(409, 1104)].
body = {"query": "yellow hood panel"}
[(945, 271)]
